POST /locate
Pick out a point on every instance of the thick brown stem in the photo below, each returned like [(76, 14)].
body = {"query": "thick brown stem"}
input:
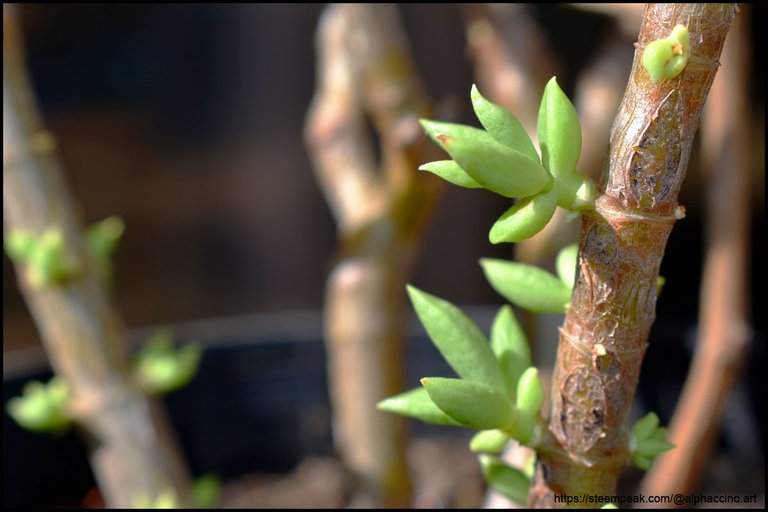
[(132, 454), (364, 67), (604, 336), (724, 331)]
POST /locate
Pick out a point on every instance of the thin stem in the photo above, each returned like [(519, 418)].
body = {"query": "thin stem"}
[(131, 449), (724, 330), (364, 68)]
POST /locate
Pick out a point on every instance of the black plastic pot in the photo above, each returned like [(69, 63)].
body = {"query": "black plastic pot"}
[(260, 403)]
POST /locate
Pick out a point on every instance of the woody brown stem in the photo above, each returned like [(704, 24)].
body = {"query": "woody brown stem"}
[(724, 331), (621, 247), (131, 449)]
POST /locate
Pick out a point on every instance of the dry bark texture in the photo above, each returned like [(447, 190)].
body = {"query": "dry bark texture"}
[(364, 71), (604, 336), (724, 327), (131, 449)]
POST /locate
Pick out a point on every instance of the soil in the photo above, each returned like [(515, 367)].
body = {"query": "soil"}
[(319, 482)]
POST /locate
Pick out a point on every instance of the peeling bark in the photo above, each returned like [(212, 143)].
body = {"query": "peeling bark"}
[(622, 244)]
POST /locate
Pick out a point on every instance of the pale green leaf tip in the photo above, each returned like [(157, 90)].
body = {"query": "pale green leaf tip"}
[(429, 126)]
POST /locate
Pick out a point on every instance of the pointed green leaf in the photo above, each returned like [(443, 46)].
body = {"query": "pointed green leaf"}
[(42, 407), (559, 131), (495, 166), (49, 261), (489, 441), (644, 463), (530, 391), (645, 426), (451, 172), (101, 237), (526, 218), (511, 347), (416, 404), (206, 490), (506, 480), (473, 404), (524, 429), (19, 245), (568, 185), (502, 125), (458, 338), (567, 260), (527, 286), (652, 447), (660, 434), (161, 368)]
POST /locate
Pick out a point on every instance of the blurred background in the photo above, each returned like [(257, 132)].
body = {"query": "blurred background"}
[(186, 121)]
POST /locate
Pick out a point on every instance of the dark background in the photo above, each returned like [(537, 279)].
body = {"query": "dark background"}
[(186, 120)]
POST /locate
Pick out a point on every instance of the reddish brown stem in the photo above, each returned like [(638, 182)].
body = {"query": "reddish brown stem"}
[(622, 244), (724, 331)]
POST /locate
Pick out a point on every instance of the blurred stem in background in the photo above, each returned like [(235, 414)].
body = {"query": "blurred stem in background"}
[(365, 74), (131, 447), (724, 331)]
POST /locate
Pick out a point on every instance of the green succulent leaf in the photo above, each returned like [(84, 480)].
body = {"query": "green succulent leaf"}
[(472, 404), (660, 434), (49, 261), (458, 338), (527, 286), (19, 245), (206, 490), (526, 218), (502, 125), (101, 240), (509, 343), (495, 166), (506, 480), (451, 172), (645, 426), (530, 391), (565, 264), (559, 131), (416, 404), (524, 429), (489, 441), (42, 407), (166, 499), (652, 447), (644, 463), (161, 368), (666, 58)]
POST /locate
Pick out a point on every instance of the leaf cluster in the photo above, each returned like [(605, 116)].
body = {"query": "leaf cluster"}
[(503, 159)]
